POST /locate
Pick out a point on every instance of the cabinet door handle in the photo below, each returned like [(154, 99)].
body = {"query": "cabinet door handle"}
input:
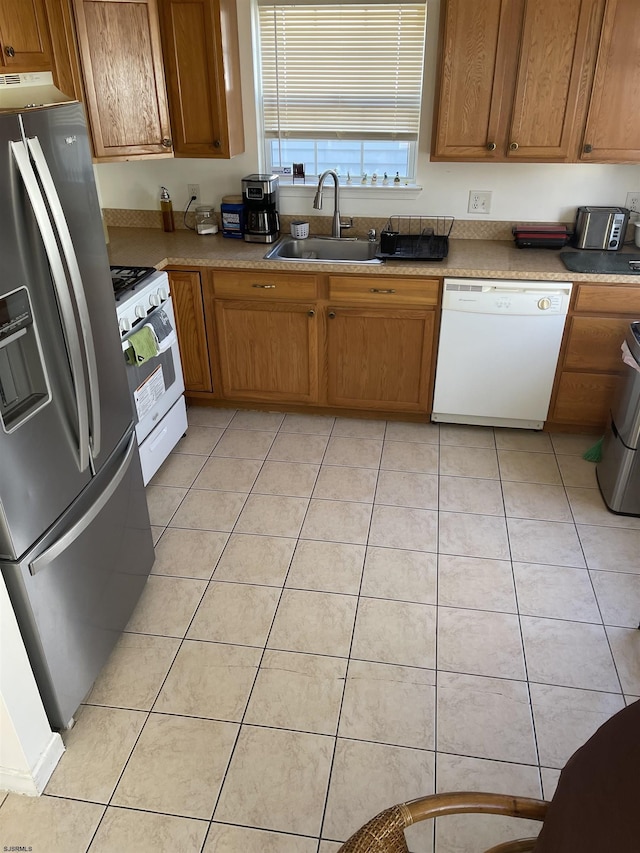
[(491, 146), (217, 143), (514, 146), (166, 142), (588, 148), (311, 313), (381, 290), (264, 286), (10, 51), (332, 315)]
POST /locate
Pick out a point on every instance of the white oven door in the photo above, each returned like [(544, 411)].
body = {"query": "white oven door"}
[(158, 383)]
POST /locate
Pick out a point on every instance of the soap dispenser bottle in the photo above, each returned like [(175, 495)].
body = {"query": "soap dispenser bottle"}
[(167, 210)]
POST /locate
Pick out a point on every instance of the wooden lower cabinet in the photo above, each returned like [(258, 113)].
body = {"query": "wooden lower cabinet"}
[(380, 358), (590, 367), (268, 350), (186, 291)]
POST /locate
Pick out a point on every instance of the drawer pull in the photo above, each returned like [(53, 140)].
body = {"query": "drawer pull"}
[(332, 315), (311, 313), (382, 290), (264, 286)]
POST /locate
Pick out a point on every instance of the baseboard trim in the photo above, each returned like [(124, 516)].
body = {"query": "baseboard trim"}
[(33, 784)]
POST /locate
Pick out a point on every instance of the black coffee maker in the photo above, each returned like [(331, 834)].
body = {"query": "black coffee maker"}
[(260, 200)]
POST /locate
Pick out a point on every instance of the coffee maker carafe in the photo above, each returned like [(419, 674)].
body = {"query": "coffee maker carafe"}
[(260, 200)]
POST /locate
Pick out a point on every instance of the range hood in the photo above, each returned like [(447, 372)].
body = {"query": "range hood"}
[(29, 91)]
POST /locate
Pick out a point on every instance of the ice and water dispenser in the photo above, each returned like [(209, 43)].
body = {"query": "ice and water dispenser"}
[(23, 380)]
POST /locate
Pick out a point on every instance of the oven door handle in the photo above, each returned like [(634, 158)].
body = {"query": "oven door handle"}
[(71, 258), (63, 295)]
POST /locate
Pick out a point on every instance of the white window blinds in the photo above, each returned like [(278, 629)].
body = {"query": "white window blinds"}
[(342, 70)]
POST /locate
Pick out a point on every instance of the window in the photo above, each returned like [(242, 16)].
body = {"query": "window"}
[(342, 85)]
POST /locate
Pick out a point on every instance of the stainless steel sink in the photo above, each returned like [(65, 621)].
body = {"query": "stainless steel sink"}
[(328, 250)]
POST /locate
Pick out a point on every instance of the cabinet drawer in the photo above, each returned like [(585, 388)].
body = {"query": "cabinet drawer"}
[(378, 291), (594, 344), (610, 298), (237, 284)]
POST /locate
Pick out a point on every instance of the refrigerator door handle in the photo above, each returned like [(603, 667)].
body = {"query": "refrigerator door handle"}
[(71, 258), (64, 297), (60, 545)]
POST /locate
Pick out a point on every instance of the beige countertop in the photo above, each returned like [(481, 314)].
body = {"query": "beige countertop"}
[(467, 258)]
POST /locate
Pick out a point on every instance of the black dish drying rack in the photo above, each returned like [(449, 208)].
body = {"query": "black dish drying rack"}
[(415, 238)]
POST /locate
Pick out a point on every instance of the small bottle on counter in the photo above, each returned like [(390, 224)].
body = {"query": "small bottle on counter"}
[(166, 206)]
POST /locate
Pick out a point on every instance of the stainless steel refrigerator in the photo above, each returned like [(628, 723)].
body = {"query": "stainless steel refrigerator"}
[(75, 539)]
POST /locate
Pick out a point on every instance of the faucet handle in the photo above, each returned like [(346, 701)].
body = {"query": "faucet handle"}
[(371, 236), (346, 223)]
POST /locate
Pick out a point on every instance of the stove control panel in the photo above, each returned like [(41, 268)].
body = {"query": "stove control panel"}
[(135, 306)]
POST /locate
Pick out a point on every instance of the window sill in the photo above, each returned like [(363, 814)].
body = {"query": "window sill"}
[(300, 190)]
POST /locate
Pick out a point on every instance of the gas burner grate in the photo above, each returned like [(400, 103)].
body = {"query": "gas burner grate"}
[(125, 279)]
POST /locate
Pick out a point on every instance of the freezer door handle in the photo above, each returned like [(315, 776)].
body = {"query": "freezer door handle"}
[(64, 297), (60, 545), (71, 258)]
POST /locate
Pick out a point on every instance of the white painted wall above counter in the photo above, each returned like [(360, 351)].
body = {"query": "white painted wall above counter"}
[(520, 191)]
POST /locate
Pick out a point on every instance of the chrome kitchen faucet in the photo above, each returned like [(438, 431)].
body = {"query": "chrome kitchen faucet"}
[(317, 201)]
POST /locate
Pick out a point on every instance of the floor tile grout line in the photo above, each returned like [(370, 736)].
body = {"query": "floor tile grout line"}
[(521, 634), (349, 658), (595, 595), (164, 680), (259, 665), (434, 840)]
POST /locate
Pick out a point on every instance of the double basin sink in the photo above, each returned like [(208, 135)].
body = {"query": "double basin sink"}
[(331, 250)]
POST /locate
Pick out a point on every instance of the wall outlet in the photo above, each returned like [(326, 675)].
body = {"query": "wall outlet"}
[(193, 190), (479, 201), (633, 201)]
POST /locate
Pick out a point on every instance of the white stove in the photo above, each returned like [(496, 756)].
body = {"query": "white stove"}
[(143, 297)]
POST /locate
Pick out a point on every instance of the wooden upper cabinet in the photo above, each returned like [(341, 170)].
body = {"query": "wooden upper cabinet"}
[(514, 78), (124, 78), (478, 44), (612, 131), (65, 60), (24, 35), (557, 56), (201, 54)]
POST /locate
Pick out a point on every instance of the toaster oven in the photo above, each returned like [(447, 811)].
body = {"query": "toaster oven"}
[(601, 227)]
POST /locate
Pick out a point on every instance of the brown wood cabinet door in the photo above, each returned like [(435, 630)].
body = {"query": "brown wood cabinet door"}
[(584, 398), (200, 45), (65, 60), (268, 350), (594, 344), (612, 131), (24, 35), (124, 78), (380, 359), (186, 291), (479, 43), (557, 55)]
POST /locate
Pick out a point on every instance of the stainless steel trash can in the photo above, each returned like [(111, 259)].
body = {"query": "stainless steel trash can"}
[(618, 472)]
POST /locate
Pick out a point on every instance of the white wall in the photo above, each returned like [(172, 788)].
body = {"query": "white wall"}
[(520, 191), (29, 750)]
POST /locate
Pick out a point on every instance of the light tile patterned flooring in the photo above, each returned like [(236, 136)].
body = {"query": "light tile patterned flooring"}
[(344, 614)]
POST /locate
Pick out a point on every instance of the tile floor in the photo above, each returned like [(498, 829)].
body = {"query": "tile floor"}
[(344, 614)]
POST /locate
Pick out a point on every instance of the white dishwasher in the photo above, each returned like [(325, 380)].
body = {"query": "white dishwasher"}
[(498, 350)]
